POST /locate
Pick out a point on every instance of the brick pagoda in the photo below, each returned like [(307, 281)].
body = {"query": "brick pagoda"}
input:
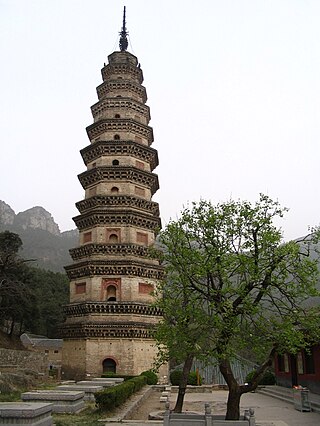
[(109, 317)]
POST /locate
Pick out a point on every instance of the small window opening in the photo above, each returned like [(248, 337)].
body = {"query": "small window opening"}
[(114, 190), (116, 137), (117, 116), (113, 238), (111, 293), (115, 162)]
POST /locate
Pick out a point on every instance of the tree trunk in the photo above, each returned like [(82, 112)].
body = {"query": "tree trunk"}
[(233, 404), (236, 390), (183, 384), (12, 326)]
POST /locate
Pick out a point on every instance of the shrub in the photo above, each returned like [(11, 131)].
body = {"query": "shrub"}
[(193, 380), (122, 376), (176, 375), (110, 398), (267, 379), (152, 378)]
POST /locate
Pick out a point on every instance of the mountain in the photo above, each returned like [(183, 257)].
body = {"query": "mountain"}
[(42, 240)]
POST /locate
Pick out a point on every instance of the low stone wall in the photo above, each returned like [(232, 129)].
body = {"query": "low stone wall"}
[(13, 361)]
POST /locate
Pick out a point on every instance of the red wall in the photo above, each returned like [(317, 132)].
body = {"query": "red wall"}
[(309, 380)]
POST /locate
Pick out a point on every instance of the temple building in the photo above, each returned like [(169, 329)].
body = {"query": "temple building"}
[(110, 315)]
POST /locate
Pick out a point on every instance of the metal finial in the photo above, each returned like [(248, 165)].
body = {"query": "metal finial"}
[(123, 43)]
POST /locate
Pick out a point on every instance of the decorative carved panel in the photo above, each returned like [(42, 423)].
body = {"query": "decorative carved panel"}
[(80, 288), (145, 288)]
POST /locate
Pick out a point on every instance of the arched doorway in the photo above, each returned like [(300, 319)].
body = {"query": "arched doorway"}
[(109, 365)]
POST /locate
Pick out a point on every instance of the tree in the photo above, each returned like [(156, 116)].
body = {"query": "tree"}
[(30, 298), (51, 290), (231, 275), (183, 334), (16, 300)]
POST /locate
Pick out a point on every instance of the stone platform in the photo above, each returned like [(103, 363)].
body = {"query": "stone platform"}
[(103, 383), (63, 401), (88, 390), (107, 379), (25, 413)]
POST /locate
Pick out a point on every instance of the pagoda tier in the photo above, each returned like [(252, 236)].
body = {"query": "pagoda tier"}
[(93, 250), (132, 108), (129, 174), (128, 127), (115, 218), (98, 267), (110, 201), (101, 330), (86, 308), (101, 149), (125, 69)]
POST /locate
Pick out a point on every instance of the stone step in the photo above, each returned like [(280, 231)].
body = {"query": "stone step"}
[(286, 395)]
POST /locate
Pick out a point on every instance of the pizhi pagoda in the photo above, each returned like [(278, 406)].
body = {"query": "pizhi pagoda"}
[(108, 320)]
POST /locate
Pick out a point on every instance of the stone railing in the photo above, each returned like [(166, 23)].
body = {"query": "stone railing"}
[(206, 419)]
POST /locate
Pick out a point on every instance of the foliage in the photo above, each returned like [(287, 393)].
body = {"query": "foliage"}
[(51, 292), (110, 398), (232, 283), (30, 298), (193, 379), (122, 376), (152, 378), (176, 376), (15, 296), (268, 378), (10, 397)]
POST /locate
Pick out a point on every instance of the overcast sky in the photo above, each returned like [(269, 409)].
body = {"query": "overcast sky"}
[(233, 88)]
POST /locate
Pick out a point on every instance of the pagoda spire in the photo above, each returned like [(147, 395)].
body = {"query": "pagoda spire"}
[(123, 42)]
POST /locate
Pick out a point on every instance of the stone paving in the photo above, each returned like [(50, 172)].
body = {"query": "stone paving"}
[(268, 411)]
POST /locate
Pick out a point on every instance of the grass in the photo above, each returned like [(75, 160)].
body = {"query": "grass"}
[(10, 397), (87, 417)]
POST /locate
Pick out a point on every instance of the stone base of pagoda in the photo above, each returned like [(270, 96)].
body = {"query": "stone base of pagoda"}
[(84, 358)]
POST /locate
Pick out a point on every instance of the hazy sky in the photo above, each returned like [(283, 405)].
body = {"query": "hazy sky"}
[(233, 87)]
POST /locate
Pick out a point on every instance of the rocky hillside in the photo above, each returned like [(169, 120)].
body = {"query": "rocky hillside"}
[(41, 236)]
